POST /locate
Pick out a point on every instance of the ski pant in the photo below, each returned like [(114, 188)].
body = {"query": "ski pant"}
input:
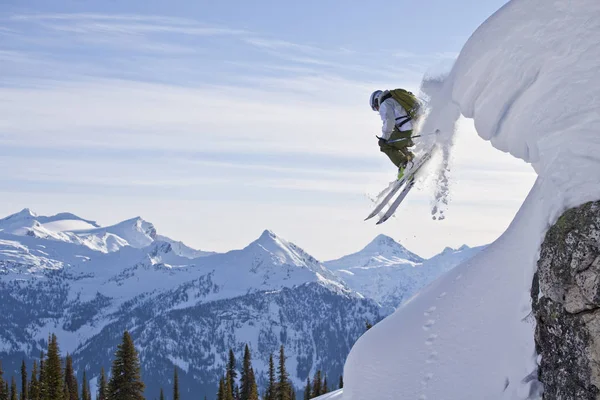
[(398, 152)]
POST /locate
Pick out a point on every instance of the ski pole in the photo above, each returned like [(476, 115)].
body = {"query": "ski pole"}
[(412, 137)]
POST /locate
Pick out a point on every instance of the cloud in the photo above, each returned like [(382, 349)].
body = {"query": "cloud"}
[(117, 113), (128, 24), (137, 28), (275, 44), (139, 33)]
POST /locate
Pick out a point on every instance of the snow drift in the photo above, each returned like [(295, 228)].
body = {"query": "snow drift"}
[(529, 78)]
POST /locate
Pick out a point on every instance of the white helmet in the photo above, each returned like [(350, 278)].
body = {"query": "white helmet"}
[(374, 101)]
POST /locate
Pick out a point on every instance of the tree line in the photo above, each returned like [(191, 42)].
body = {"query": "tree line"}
[(278, 387), (54, 379)]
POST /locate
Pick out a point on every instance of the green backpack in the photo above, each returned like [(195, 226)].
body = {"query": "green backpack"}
[(407, 100)]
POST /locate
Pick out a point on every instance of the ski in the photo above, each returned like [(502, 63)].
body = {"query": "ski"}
[(397, 185), (410, 178), (397, 202)]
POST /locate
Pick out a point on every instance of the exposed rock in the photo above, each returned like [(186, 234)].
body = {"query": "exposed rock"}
[(566, 303)]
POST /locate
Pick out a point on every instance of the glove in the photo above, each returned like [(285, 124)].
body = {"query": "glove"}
[(382, 141)]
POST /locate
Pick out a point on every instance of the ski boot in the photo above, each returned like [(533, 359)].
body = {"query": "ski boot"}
[(401, 172), (404, 169)]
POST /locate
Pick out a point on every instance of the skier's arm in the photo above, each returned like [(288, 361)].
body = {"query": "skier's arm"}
[(389, 121)]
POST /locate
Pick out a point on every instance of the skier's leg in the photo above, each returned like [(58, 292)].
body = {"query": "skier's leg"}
[(398, 151), (404, 155), (394, 155)]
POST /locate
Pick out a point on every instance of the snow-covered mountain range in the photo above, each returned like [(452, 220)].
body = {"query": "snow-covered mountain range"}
[(86, 283)]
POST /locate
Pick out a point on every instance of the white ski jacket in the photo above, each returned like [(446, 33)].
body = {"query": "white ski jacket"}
[(391, 111)]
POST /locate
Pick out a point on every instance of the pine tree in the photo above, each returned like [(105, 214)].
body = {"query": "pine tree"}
[(324, 388), (42, 378), (162, 394), (85, 392), (24, 395), (270, 392), (283, 384), (221, 392), (307, 390), (231, 372), (34, 386), (175, 385), (89, 391), (53, 373), (71, 380), (66, 393), (368, 324), (125, 379), (253, 394), (341, 383), (227, 393), (13, 390), (102, 386), (2, 394), (248, 382), (317, 384), (6, 391), (292, 393)]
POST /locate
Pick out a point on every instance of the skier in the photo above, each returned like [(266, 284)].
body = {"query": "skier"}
[(397, 109)]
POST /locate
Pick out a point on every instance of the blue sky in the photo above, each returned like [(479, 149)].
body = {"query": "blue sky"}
[(216, 120)]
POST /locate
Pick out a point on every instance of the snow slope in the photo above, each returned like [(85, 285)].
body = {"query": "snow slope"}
[(26, 222), (182, 249), (529, 78), (136, 232)]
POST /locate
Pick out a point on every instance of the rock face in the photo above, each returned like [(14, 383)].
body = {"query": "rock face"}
[(566, 303)]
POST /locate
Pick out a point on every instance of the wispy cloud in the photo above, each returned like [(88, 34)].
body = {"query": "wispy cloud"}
[(139, 33), (18, 57), (137, 28), (275, 44), (130, 24), (110, 113)]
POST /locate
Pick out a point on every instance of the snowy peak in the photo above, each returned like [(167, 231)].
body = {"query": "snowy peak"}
[(19, 223), (22, 215), (282, 251), (272, 243), (27, 222), (270, 263), (268, 235), (382, 251), (67, 222), (134, 232), (386, 246)]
